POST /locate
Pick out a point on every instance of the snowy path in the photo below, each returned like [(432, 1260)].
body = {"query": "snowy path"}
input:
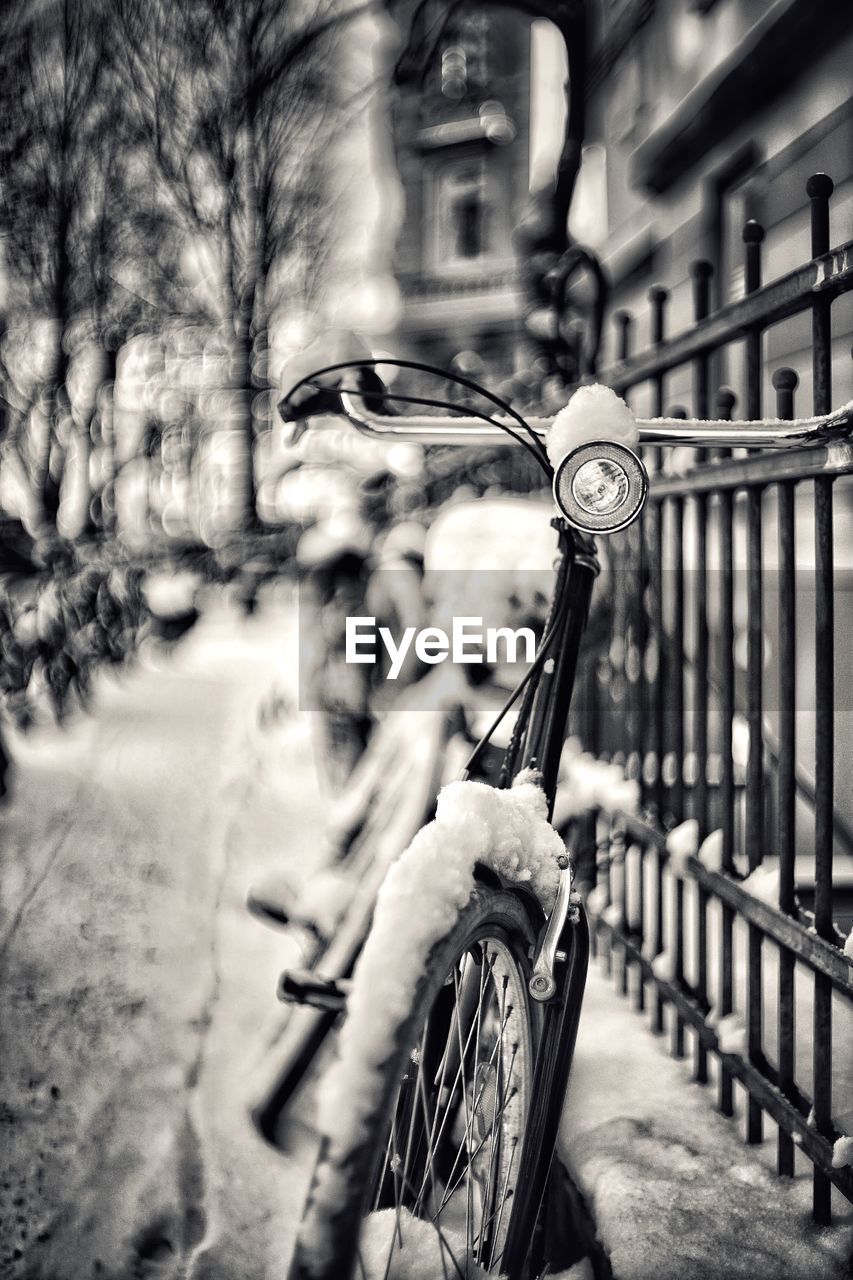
[(138, 995), (675, 1193)]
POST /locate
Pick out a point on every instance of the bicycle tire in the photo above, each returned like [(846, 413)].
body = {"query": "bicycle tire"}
[(496, 922)]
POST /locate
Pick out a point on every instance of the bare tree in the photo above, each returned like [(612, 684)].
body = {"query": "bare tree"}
[(227, 106), (54, 123)]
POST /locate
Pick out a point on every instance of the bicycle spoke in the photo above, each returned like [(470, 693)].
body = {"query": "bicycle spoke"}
[(467, 1134), (505, 1196), (413, 1117), (469, 1190), (494, 1125), (475, 1153), (453, 1138), (444, 1244), (395, 1169), (386, 1163), (430, 1162), (436, 1138)]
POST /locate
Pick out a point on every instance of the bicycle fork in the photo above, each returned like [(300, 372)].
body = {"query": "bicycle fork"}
[(550, 1077), (559, 971)]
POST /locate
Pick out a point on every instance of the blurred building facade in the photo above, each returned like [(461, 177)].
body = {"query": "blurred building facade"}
[(700, 114), (703, 114), (461, 128)]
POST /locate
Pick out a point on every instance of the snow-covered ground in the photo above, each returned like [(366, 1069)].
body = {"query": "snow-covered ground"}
[(675, 1193), (138, 996), (139, 1020)]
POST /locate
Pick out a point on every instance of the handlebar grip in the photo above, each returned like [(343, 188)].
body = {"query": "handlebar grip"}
[(310, 404), (314, 401)]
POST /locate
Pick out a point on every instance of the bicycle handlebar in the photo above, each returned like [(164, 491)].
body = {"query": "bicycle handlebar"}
[(714, 433)]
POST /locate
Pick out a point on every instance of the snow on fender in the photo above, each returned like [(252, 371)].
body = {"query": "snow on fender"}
[(593, 413), (420, 899)]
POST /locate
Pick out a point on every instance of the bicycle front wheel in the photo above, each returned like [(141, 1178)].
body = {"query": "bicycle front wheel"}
[(429, 1192)]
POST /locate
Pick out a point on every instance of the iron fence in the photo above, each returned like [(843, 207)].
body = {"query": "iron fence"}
[(687, 699)]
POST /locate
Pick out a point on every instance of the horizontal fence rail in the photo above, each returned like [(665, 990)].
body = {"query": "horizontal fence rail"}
[(718, 694)]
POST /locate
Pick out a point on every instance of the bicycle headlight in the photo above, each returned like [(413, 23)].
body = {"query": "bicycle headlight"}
[(600, 487)]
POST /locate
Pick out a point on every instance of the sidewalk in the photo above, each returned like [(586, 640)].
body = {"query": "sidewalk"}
[(674, 1192), (137, 994)]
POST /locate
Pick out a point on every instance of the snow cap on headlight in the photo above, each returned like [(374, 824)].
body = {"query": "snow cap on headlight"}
[(593, 413)]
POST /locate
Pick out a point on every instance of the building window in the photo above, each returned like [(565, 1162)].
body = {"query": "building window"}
[(468, 226), (462, 215), (735, 198)]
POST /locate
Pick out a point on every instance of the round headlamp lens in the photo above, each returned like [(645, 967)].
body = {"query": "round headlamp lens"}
[(600, 486)]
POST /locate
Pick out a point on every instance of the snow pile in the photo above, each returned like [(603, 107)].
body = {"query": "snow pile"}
[(422, 1255), (596, 901), (731, 1034), (682, 843), (593, 413), (419, 901), (587, 783), (612, 915), (842, 1153), (763, 884), (711, 851)]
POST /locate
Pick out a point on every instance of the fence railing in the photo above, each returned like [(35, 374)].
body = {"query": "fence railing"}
[(719, 694)]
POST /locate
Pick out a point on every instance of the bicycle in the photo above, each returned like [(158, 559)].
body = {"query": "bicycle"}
[(440, 1117)]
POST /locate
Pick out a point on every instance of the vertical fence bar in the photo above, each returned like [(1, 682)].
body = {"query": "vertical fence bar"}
[(725, 407), (619, 855), (640, 995), (657, 300), (754, 833), (753, 235), (635, 643), (623, 322), (676, 739), (657, 687), (819, 188), (676, 663), (701, 272), (657, 683), (824, 764), (785, 383), (726, 401)]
